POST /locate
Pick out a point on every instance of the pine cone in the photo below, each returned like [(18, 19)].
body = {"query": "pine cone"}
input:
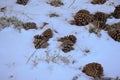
[(66, 46), (23, 2), (83, 17), (67, 43), (48, 33), (115, 34), (56, 3), (116, 13), (37, 37), (70, 37), (29, 25), (98, 1), (40, 41), (41, 44), (94, 70), (115, 26), (100, 16), (83, 11)]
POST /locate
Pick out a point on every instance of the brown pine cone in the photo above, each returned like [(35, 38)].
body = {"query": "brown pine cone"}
[(83, 11), (66, 46), (115, 34), (83, 17), (100, 16), (98, 1), (40, 41), (48, 33), (116, 13), (37, 37), (29, 25), (70, 37), (23, 2), (114, 26), (94, 70), (41, 44)]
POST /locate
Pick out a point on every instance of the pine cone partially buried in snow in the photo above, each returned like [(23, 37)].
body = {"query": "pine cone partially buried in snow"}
[(82, 17), (116, 13), (23, 2), (98, 1), (67, 46), (48, 33), (29, 25), (67, 43), (40, 41), (94, 70), (70, 37), (115, 34), (100, 16)]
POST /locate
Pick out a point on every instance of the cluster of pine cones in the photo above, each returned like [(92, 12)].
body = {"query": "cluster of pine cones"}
[(41, 41), (83, 17), (67, 43)]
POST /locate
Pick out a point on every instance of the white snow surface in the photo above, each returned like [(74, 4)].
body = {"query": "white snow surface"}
[(16, 47)]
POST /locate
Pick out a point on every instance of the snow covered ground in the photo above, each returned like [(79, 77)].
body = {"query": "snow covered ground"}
[(16, 47)]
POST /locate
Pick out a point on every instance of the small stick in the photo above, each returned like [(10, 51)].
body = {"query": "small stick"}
[(31, 56)]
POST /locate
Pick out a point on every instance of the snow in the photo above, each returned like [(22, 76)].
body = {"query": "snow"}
[(16, 47)]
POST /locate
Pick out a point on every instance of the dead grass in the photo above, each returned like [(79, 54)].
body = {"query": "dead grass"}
[(6, 22), (47, 57)]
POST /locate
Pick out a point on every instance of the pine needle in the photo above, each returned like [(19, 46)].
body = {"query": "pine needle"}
[(72, 3), (31, 56)]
